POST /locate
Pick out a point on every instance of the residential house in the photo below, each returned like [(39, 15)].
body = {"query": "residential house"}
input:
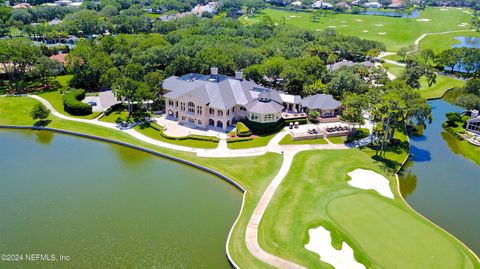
[(220, 101), (473, 124)]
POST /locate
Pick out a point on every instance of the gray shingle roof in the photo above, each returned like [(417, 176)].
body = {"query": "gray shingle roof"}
[(257, 106), (320, 101)]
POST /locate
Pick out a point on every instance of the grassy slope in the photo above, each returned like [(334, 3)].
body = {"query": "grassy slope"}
[(287, 140), (462, 147), (445, 41), (400, 32), (258, 141), (54, 97), (324, 197), (252, 173), (337, 139), (442, 85)]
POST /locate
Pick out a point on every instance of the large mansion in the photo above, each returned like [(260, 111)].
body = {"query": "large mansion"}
[(220, 101)]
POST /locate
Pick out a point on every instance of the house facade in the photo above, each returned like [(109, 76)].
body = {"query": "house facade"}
[(473, 124), (220, 101)]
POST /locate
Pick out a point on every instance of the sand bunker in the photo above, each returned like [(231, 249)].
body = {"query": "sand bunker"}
[(444, 9), (293, 16), (320, 243), (365, 31), (331, 26), (423, 20), (382, 33), (359, 20), (379, 25), (369, 180), (463, 24)]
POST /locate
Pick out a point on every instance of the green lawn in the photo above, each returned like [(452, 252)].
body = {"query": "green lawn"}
[(54, 97), (394, 155), (337, 139), (442, 85), (393, 57), (444, 41), (384, 233), (287, 140), (463, 148), (258, 141), (393, 32), (116, 115), (252, 173)]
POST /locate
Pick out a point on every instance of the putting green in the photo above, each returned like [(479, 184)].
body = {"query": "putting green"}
[(393, 32), (379, 227)]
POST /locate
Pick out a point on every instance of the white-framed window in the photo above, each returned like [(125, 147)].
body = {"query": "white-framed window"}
[(211, 111), (191, 107), (199, 122), (269, 117), (253, 116), (182, 106), (199, 110), (220, 113), (170, 102)]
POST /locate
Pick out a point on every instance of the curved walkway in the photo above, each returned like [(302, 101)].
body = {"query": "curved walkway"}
[(417, 42), (288, 152)]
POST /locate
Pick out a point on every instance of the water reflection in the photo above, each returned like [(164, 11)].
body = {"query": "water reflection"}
[(419, 155), (407, 180), (44, 138), (467, 42)]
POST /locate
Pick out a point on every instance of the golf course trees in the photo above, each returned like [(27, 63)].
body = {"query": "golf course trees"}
[(354, 106), (46, 68), (39, 112), (465, 60), (17, 56)]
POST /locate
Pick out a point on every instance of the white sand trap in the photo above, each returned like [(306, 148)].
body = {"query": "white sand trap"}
[(369, 180), (444, 9), (320, 243), (365, 31), (359, 20), (379, 25), (276, 23), (423, 20), (343, 22), (332, 26), (382, 33), (318, 30), (463, 24), (293, 16)]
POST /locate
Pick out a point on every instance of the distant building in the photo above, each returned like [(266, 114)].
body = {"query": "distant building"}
[(397, 5), (54, 22), (211, 7), (296, 3), (22, 5), (322, 5), (59, 57), (372, 5), (343, 6)]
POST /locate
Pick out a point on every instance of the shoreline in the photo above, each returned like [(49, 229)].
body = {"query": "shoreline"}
[(156, 153), (223, 177)]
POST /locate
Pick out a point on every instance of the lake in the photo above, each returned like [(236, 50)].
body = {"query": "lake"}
[(108, 206), (400, 14), (467, 42), (442, 185)]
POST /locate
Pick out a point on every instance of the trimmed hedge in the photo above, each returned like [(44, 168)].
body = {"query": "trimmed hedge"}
[(242, 130), (359, 134), (72, 104), (234, 140), (455, 134)]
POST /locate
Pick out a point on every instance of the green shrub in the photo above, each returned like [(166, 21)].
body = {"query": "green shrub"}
[(234, 140), (242, 130), (72, 104), (455, 134)]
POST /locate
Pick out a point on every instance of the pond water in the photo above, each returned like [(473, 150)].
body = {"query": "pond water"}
[(108, 206), (442, 185), (467, 42), (413, 14)]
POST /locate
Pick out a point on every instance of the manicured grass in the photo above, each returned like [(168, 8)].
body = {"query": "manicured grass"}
[(393, 57), (396, 70), (116, 115), (442, 85), (287, 140), (16, 110), (462, 147), (54, 97), (156, 134), (442, 42), (394, 156), (381, 231), (393, 32), (252, 173), (337, 139), (258, 141)]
